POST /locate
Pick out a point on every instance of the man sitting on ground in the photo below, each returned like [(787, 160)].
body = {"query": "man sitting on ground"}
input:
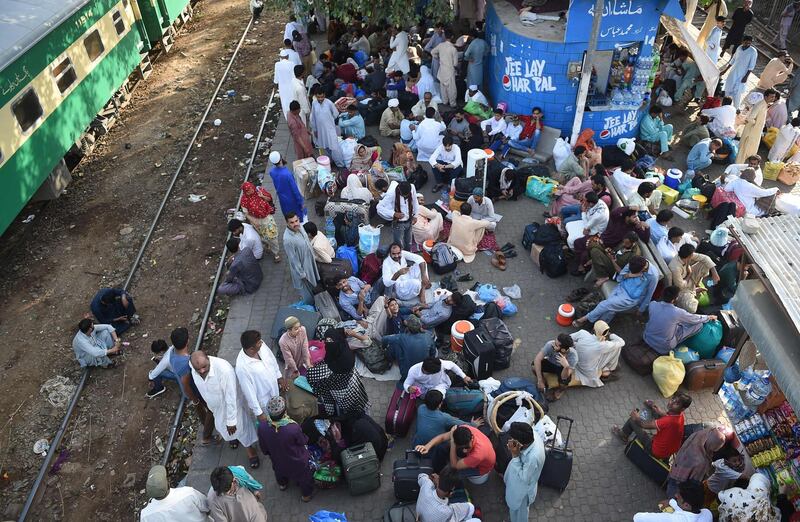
[(355, 297), (430, 375), (483, 208), (668, 325), (114, 306), (668, 425), (446, 163), (559, 358), (231, 501), (181, 504), (574, 166), (465, 449), (701, 155), (689, 270), (409, 348), (248, 236), (432, 421), (405, 275), (466, 232), (94, 343), (653, 129), (645, 201), (434, 503), (244, 272)]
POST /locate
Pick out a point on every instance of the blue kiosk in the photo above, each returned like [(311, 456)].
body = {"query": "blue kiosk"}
[(539, 64)]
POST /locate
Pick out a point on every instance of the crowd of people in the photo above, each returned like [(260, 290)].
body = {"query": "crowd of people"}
[(408, 84)]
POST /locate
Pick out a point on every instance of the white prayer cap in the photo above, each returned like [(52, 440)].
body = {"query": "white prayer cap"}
[(394, 102), (274, 157), (627, 145), (473, 87), (284, 53)]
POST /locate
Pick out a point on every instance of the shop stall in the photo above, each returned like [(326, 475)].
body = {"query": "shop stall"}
[(761, 385)]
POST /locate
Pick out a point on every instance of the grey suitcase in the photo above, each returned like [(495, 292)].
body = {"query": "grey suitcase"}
[(361, 468)]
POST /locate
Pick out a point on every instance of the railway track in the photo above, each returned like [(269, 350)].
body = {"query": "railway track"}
[(84, 385)]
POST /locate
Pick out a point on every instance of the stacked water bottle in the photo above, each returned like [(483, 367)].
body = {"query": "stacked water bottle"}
[(330, 231)]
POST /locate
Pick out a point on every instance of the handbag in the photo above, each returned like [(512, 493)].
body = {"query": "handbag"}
[(540, 189)]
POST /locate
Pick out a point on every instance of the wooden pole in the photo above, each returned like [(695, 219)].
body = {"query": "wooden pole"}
[(586, 73)]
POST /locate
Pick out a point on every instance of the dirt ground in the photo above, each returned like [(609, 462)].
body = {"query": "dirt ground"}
[(89, 238)]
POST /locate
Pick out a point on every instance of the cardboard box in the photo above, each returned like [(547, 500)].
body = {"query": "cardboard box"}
[(535, 251), (670, 195)]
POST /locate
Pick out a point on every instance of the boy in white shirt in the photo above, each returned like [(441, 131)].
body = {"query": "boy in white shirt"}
[(493, 127), (430, 375)]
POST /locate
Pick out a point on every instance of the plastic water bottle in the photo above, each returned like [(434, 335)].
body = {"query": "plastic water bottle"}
[(330, 228), (446, 198), (757, 392)]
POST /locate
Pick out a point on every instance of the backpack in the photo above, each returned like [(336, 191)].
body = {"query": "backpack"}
[(546, 234), (371, 268), (418, 178), (528, 234), (444, 260), (374, 358), (552, 261), (464, 187), (349, 253)]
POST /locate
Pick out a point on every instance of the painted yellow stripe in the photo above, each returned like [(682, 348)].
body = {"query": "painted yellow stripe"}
[(11, 137)]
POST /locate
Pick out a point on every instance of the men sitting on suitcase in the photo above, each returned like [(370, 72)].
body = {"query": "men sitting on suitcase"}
[(434, 503), (558, 357), (668, 425), (405, 274), (669, 325), (465, 449), (432, 421), (409, 348), (430, 375)]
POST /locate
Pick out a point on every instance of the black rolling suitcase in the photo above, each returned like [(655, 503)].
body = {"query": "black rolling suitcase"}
[(656, 469), (557, 468), (405, 472), (479, 353)]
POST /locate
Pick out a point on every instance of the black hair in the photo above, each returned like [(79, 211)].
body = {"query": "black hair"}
[(466, 209), (664, 216), (310, 228), (449, 481), (684, 399), (592, 197), (433, 399), (381, 184), (565, 340), (289, 215), (85, 325), (720, 19), (631, 236), (431, 365), (234, 225), (727, 100), (457, 298), (249, 338), (404, 187), (298, 71), (159, 346), (674, 232), (179, 338), (599, 179), (580, 149), (287, 42), (686, 251), (498, 110), (645, 188), (430, 112), (221, 480), (693, 494), (462, 436), (447, 141), (670, 293), (294, 105), (233, 245), (655, 109)]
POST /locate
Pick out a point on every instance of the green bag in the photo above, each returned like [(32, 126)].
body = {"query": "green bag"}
[(540, 188), (327, 476), (707, 340), (478, 109)]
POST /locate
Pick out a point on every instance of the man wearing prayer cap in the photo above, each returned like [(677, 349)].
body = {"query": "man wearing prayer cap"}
[(391, 119), (184, 504), (473, 94), (283, 440), (289, 195), (284, 79), (522, 474)]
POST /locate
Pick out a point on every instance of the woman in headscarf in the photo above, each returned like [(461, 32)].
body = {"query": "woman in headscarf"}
[(693, 460), (426, 83), (355, 189), (258, 207), (429, 223), (363, 158), (335, 380), (402, 156), (593, 153)]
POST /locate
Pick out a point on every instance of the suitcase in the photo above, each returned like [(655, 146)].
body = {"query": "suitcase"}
[(656, 469), (527, 235), (405, 472), (705, 373), (401, 413), (732, 329), (464, 403), (331, 273), (361, 468), (479, 353), (557, 468), (639, 357), (464, 188), (502, 340)]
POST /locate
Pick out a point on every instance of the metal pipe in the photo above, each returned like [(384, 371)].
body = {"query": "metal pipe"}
[(176, 422), (183, 159), (53, 446), (75, 396)]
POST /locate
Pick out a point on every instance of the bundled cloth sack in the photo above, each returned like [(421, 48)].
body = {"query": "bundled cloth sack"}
[(707, 340), (668, 372)]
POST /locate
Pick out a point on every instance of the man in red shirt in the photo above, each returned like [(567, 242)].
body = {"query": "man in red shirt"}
[(668, 426), (465, 449)]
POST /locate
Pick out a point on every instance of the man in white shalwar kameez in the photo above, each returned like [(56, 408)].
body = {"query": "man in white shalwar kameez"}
[(740, 68), (713, 49), (598, 354), (788, 135), (215, 379), (323, 127), (398, 61), (300, 94), (447, 54), (258, 373), (428, 135), (284, 79), (748, 192)]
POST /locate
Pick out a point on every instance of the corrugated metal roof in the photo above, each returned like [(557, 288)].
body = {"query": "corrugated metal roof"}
[(776, 249), (25, 22)]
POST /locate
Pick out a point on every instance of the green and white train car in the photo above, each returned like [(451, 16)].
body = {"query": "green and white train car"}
[(61, 61)]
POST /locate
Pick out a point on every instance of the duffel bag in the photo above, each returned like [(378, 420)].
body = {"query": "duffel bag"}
[(502, 339), (374, 358), (707, 340)]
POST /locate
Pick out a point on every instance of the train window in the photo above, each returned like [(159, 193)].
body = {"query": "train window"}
[(94, 45), (64, 75), (27, 109), (119, 23)]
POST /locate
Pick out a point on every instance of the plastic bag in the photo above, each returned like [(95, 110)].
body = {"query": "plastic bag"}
[(540, 189), (369, 239), (509, 309), (546, 429), (686, 355), (668, 372), (514, 292), (327, 516), (523, 414), (478, 109), (561, 151), (487, 293)]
